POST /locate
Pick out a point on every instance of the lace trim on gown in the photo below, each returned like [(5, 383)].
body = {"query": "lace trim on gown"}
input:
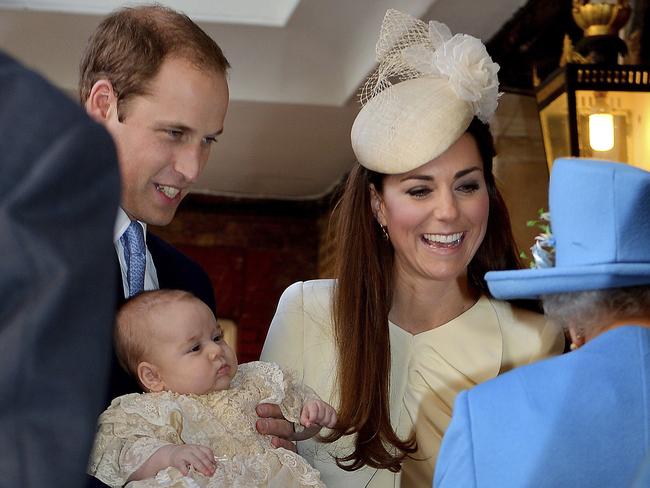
[(136, 425)]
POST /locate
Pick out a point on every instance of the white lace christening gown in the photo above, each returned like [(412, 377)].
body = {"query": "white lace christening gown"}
[(136, 425)]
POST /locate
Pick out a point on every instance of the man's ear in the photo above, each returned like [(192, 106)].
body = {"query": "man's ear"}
[(150, 377), (102, 101), (377, 204)]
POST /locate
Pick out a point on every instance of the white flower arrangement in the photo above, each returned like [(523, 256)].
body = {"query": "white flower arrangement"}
[(543, 250), (464, 61)]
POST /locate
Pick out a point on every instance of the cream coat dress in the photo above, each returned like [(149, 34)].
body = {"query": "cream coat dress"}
[(428, 370)]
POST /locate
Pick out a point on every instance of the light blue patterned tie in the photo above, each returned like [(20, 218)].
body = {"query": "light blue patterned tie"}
[(135, 255)]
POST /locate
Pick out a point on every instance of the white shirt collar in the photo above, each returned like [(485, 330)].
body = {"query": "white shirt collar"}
[(122, 221)]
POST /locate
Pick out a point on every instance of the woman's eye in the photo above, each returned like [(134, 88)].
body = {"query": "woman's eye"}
[(419, 192), (217, 338), (468, 187), (195, 348)]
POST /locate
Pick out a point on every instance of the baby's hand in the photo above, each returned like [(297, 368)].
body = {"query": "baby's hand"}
[(317, 412), (200, 457)]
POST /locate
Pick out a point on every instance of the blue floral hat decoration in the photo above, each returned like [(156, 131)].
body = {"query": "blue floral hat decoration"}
[(600, 224)]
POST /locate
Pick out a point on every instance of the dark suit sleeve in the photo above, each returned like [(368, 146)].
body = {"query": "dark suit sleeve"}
[(59, 194), (455, 465)]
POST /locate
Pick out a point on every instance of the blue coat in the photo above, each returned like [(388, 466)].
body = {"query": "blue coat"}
[(577, 420)]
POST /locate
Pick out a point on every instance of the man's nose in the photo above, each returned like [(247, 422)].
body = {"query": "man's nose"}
[(190, 162)]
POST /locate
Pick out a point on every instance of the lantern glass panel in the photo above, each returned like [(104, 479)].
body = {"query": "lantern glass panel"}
[(630, 125), (554, 119)]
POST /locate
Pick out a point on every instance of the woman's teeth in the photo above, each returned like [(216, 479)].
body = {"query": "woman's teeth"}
[(168, 191), (447, 239)]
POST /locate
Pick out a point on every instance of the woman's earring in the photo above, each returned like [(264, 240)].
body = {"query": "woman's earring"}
[(384, 229)]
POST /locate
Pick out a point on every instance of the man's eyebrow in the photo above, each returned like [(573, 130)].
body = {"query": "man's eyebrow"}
[(185, 128), (174, 125)]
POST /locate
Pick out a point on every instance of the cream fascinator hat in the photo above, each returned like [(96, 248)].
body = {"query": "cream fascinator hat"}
[(423, 95)]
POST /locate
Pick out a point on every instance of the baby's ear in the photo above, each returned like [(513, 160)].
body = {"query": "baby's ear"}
[(150, 377)]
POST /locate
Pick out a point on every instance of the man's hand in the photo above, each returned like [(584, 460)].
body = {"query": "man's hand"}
[(273, 423)]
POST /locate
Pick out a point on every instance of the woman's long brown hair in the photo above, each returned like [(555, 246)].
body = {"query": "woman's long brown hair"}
[(361, 302)]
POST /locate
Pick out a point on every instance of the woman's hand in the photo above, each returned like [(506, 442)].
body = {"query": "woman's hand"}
[(273, 423)]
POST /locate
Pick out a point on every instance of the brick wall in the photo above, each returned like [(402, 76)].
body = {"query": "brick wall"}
[(252, 250)]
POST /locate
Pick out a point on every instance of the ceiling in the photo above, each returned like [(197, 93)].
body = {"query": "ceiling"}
[(296, 69)]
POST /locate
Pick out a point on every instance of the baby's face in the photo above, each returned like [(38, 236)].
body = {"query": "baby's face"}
[(189, 351)]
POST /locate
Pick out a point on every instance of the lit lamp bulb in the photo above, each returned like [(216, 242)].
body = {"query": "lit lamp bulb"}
[(601, 132)]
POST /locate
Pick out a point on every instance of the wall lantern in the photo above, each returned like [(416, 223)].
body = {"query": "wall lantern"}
[(591, 106)]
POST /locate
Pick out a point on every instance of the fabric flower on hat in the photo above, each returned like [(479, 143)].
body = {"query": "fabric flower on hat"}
[(543, 251), (427, 88), (464, 61)]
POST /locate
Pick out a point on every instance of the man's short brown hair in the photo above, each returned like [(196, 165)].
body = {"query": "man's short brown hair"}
[(130, 45)]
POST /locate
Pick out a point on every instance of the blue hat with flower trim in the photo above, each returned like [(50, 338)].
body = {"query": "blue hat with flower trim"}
[(600, 223)]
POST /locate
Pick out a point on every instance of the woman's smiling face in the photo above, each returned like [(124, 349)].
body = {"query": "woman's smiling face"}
[(437, 214)]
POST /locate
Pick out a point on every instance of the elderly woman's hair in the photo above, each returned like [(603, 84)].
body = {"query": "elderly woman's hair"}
[(133, 326), (594, 309)]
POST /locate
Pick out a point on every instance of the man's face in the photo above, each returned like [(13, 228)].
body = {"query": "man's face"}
[(165, 137)]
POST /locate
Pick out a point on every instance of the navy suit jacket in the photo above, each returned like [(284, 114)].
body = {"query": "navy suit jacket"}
[(175, 271), (59, 194), (577, 420)]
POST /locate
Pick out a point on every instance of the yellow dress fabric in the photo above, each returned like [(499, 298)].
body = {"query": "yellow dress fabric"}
[(428, 370)]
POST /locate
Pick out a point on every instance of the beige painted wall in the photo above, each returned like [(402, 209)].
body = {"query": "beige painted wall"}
[(520, 167)]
